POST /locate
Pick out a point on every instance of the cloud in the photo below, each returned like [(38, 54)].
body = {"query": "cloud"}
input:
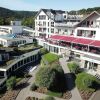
[(18, 4)]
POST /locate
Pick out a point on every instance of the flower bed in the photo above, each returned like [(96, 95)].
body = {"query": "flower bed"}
[(67, 95), (85, 94), (12, 94)]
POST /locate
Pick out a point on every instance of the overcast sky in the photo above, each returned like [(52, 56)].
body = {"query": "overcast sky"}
[(31, 5)]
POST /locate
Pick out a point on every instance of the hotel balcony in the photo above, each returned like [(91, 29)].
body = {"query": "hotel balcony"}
[(80, 45), (86, 33), (67, 24)]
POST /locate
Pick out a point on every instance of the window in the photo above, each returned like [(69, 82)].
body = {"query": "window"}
[(44, 23), (48, 23), (36, 23), (52, 24), (52, 30), (44, 29), (66, 30), (64, 16), (48, 29), (42, 17)]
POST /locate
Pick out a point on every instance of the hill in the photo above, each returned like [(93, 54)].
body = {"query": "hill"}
[(85, 11), (4, 12), (6, 15)]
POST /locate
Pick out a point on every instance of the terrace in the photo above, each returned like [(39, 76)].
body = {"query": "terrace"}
[(18, 53), (87, 45)]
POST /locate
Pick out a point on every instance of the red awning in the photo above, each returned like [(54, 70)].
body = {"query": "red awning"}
[(95, 43), (68, 39), (63, 38), (83, 41), (57, 37)]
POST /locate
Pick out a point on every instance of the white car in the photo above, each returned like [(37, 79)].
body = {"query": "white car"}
[(32, 69)]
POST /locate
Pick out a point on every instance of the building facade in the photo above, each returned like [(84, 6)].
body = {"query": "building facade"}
[(20, 61), (83, 45), (50, 22)]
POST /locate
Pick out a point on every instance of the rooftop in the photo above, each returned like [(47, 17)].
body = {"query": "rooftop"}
[(18, 52)]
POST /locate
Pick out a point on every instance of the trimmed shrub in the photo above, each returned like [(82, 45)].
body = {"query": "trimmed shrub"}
[(73, 67), (49, 98), (45, 77), (33, 87), (10, 83)]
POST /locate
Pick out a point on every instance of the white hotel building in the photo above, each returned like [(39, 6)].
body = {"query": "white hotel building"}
[(50, 22), (71, 35)]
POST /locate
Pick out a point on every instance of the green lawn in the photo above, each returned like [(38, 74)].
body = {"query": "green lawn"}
[(80, 83), (50, 57), (55, 94)]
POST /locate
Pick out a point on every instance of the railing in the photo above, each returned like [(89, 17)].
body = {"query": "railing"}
[(78, 48)]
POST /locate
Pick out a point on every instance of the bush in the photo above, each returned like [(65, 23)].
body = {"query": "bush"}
[(27, 75), (33, 87), (10, 83), (49, 98), (45, 77), (43, 51), (84, 80), (73, 67), (60, 78)]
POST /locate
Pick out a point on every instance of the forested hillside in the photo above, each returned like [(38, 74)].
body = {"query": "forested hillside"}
[(27, 17), (85, 11)]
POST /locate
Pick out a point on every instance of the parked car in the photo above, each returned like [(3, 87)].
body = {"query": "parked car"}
[(32, 69)]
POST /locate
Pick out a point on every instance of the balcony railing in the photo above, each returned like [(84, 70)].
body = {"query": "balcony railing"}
[(65, 24), (80, 48)]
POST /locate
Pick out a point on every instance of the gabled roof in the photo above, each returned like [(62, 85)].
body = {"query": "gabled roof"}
[(54, 12), (94, 12)]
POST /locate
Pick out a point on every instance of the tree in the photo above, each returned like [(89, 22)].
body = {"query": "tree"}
[(28, 22), (45, 77), (1, 21), (11, 82), (73, 67)]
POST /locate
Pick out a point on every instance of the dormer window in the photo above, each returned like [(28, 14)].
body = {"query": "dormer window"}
[(42, 17)]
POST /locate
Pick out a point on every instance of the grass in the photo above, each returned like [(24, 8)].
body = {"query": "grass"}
[(49, 57), (80, 84), (55, 94), (18, 79)]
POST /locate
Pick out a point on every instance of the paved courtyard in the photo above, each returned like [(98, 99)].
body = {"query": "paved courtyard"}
[(25, 92), (96, 96), (70, 81)]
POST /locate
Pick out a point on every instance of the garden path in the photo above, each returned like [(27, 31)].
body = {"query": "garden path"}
[(70, 80)]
